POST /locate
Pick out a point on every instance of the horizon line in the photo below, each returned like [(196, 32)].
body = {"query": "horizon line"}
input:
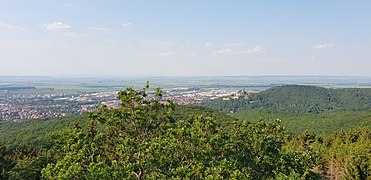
[(170, 76)]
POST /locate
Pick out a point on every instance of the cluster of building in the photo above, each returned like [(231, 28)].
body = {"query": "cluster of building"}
[(18, 107), (240, 94), (195, 96), (17, 113)]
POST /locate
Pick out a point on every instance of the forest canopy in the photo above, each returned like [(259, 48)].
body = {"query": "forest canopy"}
[(299, 99), (150, 138)]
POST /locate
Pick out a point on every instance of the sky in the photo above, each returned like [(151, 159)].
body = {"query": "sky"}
[(185, 38)]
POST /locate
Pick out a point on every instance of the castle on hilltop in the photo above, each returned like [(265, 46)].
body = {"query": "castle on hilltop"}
[(239, 94)]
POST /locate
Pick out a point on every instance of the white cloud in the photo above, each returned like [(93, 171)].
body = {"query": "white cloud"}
[(64, 29), (323, 46), (234, 44), (158, 43), (68, 4), (100, 29), (223, 52), (255, 50), (209, 44), (7, 27), (76, 34), (228, 51), (57, 26), (166, 54), (126, 24), (27, 44)]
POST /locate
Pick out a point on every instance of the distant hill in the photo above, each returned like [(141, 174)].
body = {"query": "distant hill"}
[(299, 99)]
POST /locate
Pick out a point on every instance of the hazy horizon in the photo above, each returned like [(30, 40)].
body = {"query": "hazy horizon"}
[(185, 39), (176, 76)]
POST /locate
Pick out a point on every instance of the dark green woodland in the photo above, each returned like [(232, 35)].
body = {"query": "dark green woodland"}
[(289, 132), (299, 99)]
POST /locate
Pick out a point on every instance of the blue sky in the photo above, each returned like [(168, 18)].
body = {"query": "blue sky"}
[(185, 38)]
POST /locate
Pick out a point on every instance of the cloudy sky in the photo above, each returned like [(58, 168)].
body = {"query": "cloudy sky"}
[(185, 38)]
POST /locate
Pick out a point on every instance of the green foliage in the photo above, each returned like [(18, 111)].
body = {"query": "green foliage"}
[(25, 162), (227, 106), (299, 99), (148, 138), (34, 132), (327, 122), (183, 112), (3, 161), (343, 155), (143, 141), (28, 162)]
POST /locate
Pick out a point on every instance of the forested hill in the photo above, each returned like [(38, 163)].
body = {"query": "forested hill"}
[(299, 99), (148, 139)]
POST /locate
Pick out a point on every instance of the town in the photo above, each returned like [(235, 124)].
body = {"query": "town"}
[(42, 97), (23, 106)]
